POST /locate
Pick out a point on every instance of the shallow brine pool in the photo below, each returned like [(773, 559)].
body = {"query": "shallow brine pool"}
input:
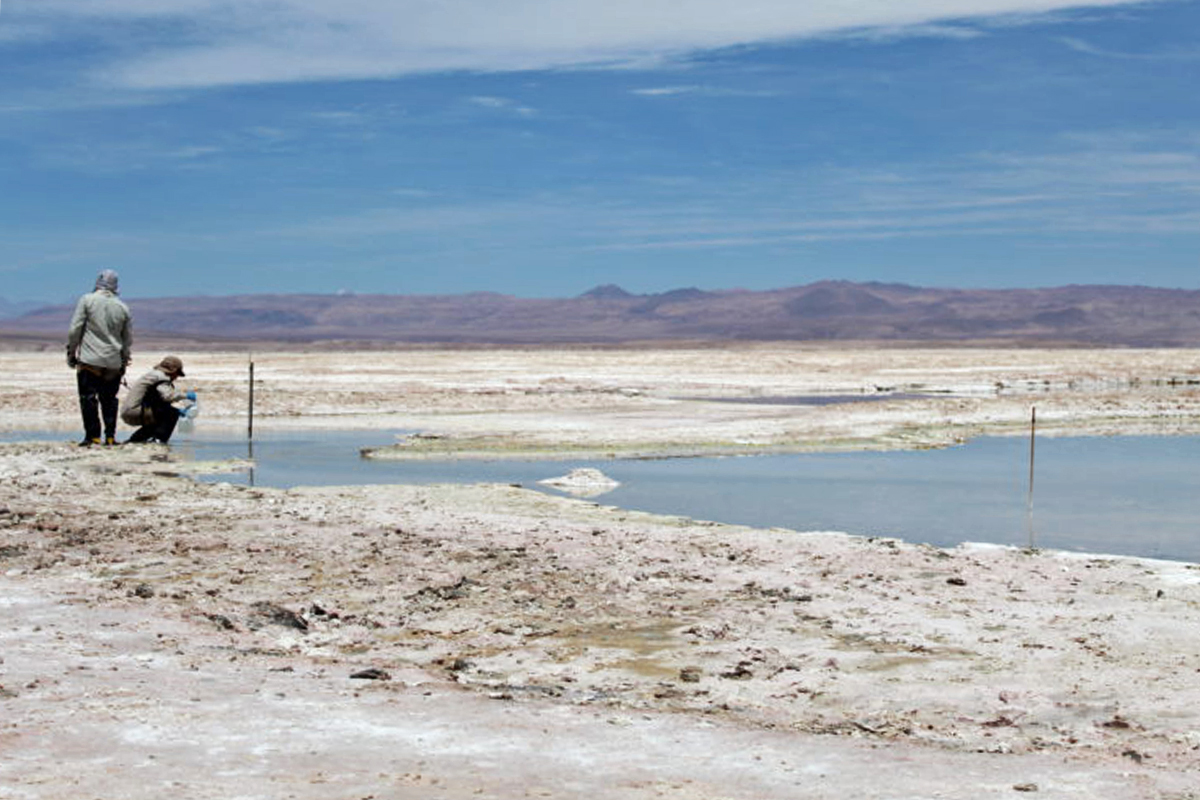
[(1122, 495)]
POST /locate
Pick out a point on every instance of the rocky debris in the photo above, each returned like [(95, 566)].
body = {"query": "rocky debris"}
[(432, 596), (741, 672), (318, 611), (266, 613), (787, 593), (221, 621), (1117, 722), (371, 674)]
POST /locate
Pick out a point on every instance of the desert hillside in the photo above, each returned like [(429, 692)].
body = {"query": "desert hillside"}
[(825, 311)]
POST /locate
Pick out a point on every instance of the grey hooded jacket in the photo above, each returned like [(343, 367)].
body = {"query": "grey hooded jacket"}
[(101, 332)]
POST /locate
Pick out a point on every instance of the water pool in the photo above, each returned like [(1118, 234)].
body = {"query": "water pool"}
[(1133, 495)]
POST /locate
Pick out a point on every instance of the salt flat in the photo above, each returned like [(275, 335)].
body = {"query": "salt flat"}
[(165, 635)]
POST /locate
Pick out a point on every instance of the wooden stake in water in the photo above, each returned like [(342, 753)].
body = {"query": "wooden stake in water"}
[(250, 405), (1029, 500)]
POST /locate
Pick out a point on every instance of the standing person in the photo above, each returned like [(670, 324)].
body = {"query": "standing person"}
[(149, 403), (98, 344)]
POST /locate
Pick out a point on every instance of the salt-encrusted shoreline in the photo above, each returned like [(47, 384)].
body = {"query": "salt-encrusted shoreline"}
[(160, 630)]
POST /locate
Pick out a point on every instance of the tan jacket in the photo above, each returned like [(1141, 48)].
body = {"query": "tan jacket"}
[(134, 410)]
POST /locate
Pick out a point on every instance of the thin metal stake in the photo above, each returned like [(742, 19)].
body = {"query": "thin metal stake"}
[(250, 405), (250, 423), (1029, 500)]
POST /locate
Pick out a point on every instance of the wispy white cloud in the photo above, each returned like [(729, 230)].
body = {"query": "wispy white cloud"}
[(1104, 184), (193, 151), (709, 91), (436, 220), (491, 102), (502, 104), (341, 117), (223, 42), (34, 102), (1083, 191), (888, 33), (1083, 46), (132, 156), (1091, 186), (666, 91), (18, 32)]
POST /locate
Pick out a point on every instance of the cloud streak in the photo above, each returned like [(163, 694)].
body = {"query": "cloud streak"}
[(704, 91), (1111, 186), (201, 43), (1103, 185), (1087, 48)]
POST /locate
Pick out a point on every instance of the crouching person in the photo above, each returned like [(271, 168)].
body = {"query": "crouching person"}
[(150, 402)]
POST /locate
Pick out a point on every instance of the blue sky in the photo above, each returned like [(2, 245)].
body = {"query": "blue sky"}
[(542, 147)]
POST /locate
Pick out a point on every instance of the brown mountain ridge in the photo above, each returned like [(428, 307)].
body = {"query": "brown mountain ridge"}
[(824, 311)]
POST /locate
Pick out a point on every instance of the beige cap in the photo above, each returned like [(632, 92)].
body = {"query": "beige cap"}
[(172, 365)]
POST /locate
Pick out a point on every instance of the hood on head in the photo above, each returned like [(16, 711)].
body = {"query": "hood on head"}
[(107, 280)]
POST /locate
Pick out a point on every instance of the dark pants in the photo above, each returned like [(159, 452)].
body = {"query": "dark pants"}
[(163, 417), (98, 398)]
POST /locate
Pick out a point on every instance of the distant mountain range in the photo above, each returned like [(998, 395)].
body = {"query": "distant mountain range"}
[(11, 308), (824, 311)]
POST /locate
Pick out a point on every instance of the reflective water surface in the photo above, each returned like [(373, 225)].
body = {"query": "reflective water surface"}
[(1121, 495)]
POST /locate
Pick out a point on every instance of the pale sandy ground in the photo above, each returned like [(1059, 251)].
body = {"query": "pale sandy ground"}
[(164, 637)]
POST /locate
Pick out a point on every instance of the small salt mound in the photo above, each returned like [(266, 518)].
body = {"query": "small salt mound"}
[(584, 482)]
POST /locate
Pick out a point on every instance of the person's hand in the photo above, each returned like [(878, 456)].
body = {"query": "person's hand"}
[(191, 396), (72, 361), (182, 411)]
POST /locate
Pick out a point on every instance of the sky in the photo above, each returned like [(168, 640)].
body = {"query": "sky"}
[(542, 147)]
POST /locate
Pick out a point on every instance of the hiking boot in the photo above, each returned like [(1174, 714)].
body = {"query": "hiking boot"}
[(110, 441), (88, 442)]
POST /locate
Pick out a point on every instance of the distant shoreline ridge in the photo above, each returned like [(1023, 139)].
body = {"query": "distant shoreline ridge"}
[(825, 311)]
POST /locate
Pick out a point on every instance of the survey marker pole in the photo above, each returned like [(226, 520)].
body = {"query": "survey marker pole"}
[(250, 404), (1029, 498)]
